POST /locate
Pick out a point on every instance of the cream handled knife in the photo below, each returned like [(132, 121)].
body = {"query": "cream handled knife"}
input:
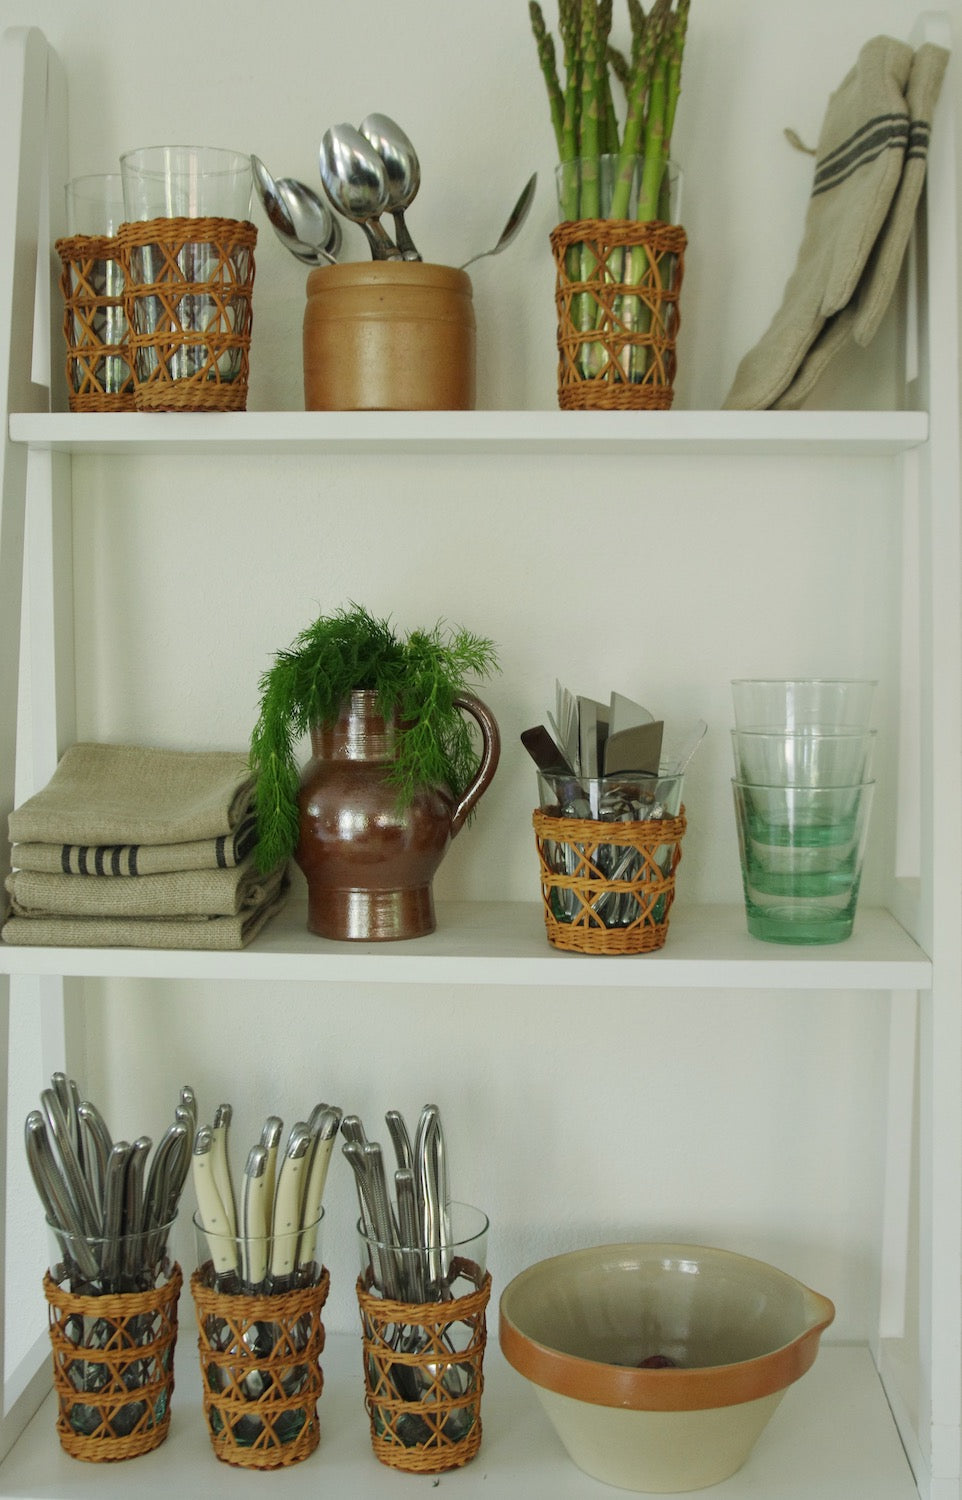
[(255, 1218), (220, 1163), (210, 1209), (323, 1124), (288, 1204), (270, 1140)]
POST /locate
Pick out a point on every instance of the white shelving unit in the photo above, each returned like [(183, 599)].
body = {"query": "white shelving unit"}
[(878, 1422)]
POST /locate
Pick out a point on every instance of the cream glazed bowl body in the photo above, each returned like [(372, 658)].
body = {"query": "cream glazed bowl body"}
[(726, 1335)]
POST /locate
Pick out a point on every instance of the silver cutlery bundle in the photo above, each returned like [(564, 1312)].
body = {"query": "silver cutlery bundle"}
[(409, 1237), (264, 1241), (109, 1203), (367, 172), (414, 1251)]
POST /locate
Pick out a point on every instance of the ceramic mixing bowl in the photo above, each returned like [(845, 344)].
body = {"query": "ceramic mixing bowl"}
[(660, 1364)]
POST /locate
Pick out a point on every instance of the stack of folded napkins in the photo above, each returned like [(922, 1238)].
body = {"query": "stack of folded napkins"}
[(131, 846)]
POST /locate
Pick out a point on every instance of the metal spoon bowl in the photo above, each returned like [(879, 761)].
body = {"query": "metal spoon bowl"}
[(314, 224), (280, 202), (356, 183), (516, 218), (403, 171)]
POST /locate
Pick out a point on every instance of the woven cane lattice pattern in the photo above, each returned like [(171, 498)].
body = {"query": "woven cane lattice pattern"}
[(189, 289), (617, 292), (261, 1372), (99, 377), (113, 1368), (587, 912), (423, 1378)]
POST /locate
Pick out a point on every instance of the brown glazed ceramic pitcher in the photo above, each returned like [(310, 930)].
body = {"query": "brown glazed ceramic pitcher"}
[(369, 865)]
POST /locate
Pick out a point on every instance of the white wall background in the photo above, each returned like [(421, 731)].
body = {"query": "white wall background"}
[(749, 1120)]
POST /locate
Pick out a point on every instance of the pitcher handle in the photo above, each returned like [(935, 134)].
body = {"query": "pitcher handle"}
[(490, 754)]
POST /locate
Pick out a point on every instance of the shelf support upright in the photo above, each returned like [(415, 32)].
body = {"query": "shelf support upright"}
[(929, 1406), (32, 169)]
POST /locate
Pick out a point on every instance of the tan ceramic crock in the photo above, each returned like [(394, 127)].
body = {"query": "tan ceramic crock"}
[(389, 336)]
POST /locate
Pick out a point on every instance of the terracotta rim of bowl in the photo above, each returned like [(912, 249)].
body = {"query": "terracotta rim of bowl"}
[(667, 1389)]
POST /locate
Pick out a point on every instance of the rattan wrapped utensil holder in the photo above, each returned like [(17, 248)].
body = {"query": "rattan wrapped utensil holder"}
[(182, 361), (113, 1368), (439, 1430), (617, 287), (587, 912), (261, 1389), (99, 374)]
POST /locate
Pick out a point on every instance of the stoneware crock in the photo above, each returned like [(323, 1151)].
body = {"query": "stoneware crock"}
[(389, 336)]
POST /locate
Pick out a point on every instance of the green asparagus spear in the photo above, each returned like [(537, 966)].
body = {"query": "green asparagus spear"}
[(592, 66), (676, 52), (569, 24), (546, 57), (653, 150)]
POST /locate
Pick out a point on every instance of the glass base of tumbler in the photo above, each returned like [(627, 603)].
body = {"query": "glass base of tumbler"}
[(807, 924)]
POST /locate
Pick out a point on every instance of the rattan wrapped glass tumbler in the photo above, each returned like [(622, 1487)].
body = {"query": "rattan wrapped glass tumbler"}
[(608, 848), (190, 285), (99, 376), (188, 256), (424, 1332), (112, 1307), (260, 1338)]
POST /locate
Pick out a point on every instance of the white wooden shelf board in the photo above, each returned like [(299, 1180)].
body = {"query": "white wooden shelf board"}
[(543, 432), (504, 943), (832, 1438)]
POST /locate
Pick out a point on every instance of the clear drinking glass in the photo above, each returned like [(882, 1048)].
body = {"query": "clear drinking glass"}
[(259, 1265), (808, 757), (601, 187), (192, 182), (95, 204), (412, 1273), (93, 283), (618, 798), (801, 850), (787, 704)]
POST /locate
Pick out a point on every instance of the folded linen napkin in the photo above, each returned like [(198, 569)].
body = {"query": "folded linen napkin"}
[(126, 860), (135, 794), (179, 893), (207, 934), (860, 319), (859, 161)]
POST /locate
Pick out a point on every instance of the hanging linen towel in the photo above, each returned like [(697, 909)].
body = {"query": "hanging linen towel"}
[(135, 794), (860, 320), (179, 893), (208, 934), (125, 860), (859, 161)]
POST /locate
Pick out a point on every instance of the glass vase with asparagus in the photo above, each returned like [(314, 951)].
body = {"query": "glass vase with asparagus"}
[(610, 168)]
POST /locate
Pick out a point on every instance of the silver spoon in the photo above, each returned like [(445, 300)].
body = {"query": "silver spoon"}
[(516, 218), (356, 183), (275, 204), (314, 224), (403, 173)]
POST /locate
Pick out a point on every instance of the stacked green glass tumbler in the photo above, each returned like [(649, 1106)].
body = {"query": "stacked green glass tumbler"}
[(803, 795)]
